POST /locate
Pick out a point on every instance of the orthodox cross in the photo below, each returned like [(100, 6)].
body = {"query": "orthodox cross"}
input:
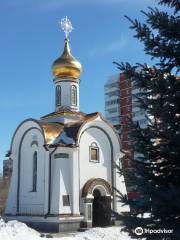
[(66, 26)]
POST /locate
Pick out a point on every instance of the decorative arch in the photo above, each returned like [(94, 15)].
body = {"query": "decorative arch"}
[(100, 183), (21, 124), (34, 142)]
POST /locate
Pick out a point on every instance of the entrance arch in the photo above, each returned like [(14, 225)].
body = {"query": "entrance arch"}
[(98, 183), (97, 194)]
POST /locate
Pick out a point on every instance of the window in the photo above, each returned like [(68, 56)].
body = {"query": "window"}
[(73, 95), (112, 110), (112, 102), (34, 183), (66, 201), (94, 153), (127, 83), (58, 95), (113, 119), (128, 108), (113, 93)]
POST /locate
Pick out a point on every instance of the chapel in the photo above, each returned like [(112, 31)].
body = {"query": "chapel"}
[(64, 164)]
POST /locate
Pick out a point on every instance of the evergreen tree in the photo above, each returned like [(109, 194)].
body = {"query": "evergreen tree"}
[(157, 164)]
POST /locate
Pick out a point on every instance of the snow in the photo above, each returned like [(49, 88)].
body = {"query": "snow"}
[(14, 230), (110, 233), (144, 215), (64, 138)]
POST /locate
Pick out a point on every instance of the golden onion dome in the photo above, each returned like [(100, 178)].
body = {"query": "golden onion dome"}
[(66, 66)]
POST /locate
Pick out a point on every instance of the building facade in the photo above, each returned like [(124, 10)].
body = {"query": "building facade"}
[(120, 108), (63, 164), (112, 101)]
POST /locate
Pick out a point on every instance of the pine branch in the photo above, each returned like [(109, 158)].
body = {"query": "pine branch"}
[(165, 43), (171, 3)]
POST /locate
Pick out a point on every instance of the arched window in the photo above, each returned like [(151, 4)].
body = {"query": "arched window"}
[(58, 95), (34, 180), (74, 95), (94, 152)]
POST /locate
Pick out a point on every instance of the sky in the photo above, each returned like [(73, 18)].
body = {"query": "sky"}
[(31, 39)]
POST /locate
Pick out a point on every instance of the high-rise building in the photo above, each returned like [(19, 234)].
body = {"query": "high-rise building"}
[(120, 108), (112, 101)]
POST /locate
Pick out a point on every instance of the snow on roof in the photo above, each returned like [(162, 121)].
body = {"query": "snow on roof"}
[(66, 134), (63, 138)]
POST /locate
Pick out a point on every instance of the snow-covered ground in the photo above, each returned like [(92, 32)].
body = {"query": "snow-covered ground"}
[(14, 230)]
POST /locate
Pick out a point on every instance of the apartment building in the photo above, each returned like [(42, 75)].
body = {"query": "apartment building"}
[(120, 108), (112, 101)]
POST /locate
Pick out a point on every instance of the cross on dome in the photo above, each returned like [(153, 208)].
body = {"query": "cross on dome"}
[(66, 66), (66, 26)]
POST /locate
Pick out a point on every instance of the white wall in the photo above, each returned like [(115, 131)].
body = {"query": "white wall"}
[(102, 169), (32, 202), (11, 205), (61, 182), (89, 169)]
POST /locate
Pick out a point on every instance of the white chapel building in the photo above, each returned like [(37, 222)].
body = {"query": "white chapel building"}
[(64, 165)]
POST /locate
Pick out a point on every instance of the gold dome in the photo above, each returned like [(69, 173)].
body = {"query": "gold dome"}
[(66, 66)]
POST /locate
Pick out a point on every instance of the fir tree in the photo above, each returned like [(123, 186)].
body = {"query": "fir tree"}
[(157, 169)]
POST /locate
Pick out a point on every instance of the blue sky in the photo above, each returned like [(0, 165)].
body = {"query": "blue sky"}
[(31, 39)]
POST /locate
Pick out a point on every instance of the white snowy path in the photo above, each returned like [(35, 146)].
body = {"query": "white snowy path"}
[(14, 230)]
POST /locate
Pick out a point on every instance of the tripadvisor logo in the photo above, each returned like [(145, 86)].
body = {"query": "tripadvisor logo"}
[(139, 231)]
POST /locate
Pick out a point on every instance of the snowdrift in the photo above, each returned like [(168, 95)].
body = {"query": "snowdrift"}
[(14, 230)]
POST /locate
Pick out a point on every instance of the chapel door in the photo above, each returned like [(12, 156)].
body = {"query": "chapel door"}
[(101, 210)]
